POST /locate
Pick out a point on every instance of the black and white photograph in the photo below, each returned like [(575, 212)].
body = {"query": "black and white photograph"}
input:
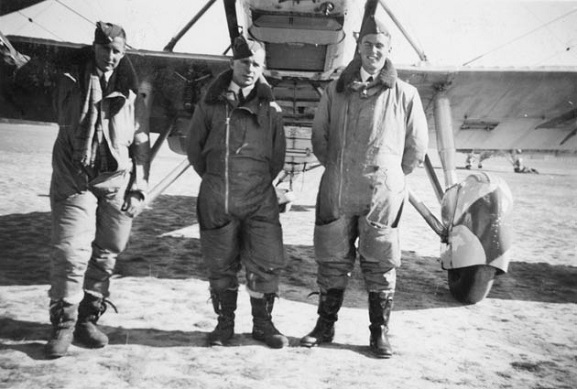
[(288, 194)]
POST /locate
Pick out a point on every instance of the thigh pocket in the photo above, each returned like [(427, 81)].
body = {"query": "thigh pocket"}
[(331, 241), (379, 243), (110, 183), (219, 246)]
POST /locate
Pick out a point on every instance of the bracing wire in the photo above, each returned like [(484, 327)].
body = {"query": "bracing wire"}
[(407, 22), (31, 20), (557, 53), (81, 16), (76, 12), (28, 18), (520, 37)]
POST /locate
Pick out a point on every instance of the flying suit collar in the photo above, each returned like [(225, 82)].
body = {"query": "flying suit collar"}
[(258, 106), (387, 76), (216, 91)]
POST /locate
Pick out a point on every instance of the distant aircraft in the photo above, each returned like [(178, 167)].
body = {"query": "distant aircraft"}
[(468, 109), (514, 156)]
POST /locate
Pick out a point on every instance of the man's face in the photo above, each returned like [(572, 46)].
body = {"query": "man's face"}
[(374, 49), (108, 56), (246, 71)]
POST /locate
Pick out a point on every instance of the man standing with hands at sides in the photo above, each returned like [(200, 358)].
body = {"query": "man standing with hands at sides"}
[(369, 131), (100, 165), (237, 145)]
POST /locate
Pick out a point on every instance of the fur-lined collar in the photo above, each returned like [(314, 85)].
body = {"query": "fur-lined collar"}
[(387, 77), (216, 91)]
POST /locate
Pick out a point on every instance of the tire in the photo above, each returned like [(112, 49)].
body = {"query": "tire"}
[(471, 284)]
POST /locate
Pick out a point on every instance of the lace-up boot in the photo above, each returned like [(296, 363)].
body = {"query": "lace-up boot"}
[(87, 332), (62, 316)]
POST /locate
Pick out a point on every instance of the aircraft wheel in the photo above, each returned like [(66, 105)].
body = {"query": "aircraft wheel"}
[(471, 284)]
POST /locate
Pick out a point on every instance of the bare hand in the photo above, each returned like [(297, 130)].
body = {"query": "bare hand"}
[(133, 204)]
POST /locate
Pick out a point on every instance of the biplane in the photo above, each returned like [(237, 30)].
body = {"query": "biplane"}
[(308, 43)]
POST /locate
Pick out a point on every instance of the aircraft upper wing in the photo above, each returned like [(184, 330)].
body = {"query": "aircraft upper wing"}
[(177, 80), (492, 109), (501, 108), (8, 6)]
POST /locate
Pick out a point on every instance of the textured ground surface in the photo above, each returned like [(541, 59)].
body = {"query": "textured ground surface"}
[(521, 336)]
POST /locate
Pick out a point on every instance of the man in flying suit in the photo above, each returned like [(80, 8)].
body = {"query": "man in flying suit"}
[(237, 145), (369, 131)]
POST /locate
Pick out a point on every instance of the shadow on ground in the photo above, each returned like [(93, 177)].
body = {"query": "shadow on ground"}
[(18, 330), (36, 335), (24, 247)]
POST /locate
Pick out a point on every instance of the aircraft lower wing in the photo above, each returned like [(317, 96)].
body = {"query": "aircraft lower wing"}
[(533, 109)]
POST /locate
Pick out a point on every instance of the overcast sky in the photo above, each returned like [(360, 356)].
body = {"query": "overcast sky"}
[(451, 32)]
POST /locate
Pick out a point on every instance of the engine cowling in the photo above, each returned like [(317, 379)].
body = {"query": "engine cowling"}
[(476, 213)]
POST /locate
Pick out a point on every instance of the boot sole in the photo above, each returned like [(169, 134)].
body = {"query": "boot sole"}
[(378, 354), (53, 355), (91, 346), (81, 334), (50, 351), (218, 343), (315, 344), (79, 342), (273, 346)]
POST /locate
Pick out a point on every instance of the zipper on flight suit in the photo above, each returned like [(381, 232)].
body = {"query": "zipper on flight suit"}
[(226, 158), (227, 153), (342, 161)]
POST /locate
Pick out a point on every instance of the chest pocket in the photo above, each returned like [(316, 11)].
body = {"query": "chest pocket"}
[(249, 135)]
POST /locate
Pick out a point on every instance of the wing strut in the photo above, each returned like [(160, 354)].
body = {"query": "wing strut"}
[(231, 21), (176, 38), (416, 47), (167, 181), (160, 141), (429, 216), (445, 137), (439, 191)]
